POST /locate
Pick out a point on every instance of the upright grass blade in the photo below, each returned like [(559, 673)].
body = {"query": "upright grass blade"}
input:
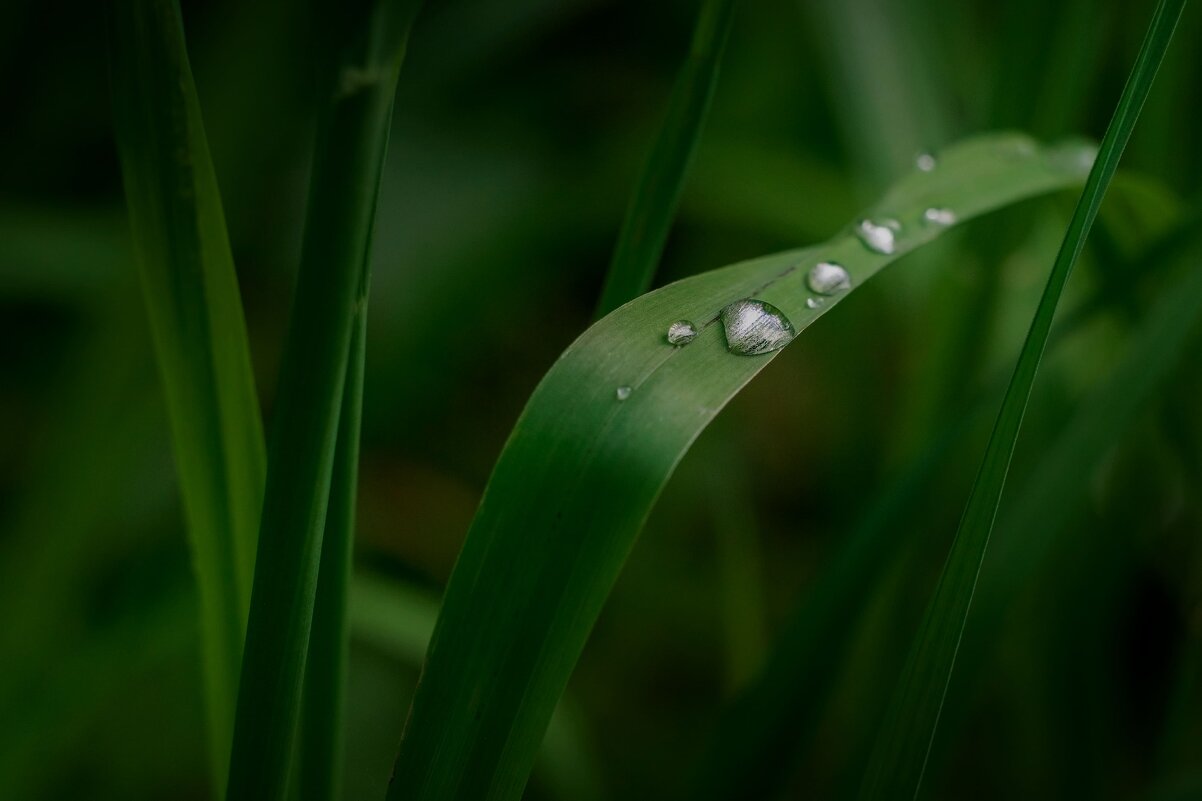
[(1032, 526), (199, 334), (899, 757), (321, 744), (653, 205), (581, 471), (776, 715), (368, 40)]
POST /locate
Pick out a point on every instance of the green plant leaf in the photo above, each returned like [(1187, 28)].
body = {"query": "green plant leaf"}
[(582, 469), (653, 204), (368, 45), (899, 757), (321, 745), (199, 334)]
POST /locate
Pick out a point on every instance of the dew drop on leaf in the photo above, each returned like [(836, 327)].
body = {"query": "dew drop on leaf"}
[(753, 327), (879, 237), (939, 216), (681, 332), (622, 393), (828, 278), (925, 162)]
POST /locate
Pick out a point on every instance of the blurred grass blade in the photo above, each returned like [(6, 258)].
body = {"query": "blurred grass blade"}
[(368, 42), (903, 744), (581, 471), (777, 714), (653, 204), (199, 334), (322, 737)]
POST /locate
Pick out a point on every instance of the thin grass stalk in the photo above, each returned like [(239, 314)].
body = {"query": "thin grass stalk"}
[(899, 758), (331, 290), (322, 741), (657, 194)]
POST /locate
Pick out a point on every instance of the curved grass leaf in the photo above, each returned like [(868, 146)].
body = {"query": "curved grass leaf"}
[(199, 334), (581, 471), (368, 40), (653, 204), (398, 620), (899, 757)]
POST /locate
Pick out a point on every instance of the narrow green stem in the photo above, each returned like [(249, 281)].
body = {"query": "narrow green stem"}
[(331, 291), (321, 743), (653, 204)]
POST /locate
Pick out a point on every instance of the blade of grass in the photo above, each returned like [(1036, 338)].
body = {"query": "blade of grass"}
[(777, 714), (896, 766), (1031, 528), (368, 41), (398, 620), (582, 470), (199, 334), (322, 738), (653, 204)]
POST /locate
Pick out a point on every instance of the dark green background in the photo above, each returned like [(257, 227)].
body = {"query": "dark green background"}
[(520, 128)]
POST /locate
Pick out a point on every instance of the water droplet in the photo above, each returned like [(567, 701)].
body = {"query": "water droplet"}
[(1021, 147), (623, 393), (754, 327), (827, 278), (879, 237), (936, 216), (925, 162), (814, 303), (1074, 156), (681, 332)]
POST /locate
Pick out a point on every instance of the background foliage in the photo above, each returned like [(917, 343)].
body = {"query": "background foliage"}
[(520, 129)]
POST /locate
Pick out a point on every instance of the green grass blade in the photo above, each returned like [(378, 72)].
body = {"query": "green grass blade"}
[(899, 757), (331, 286), (1032, 526), (653, 204), (581, 471), (199, 334), (321, 745)]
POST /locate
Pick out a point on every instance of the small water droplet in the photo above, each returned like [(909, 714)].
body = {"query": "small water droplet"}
[(827, 278), (1020, 147), (879, 237), (681, 332), (754, 327), (939, 216), (925, 162), (623, 393), (814, 303)]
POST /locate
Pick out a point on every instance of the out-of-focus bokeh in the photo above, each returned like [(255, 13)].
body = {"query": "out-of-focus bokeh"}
[(520, 128)]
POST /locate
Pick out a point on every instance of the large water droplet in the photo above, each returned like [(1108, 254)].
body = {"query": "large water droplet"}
[(925, 162), (827, 278), (681, 332), (622, 393), (879, 237), (939, 216), (754, 327)]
